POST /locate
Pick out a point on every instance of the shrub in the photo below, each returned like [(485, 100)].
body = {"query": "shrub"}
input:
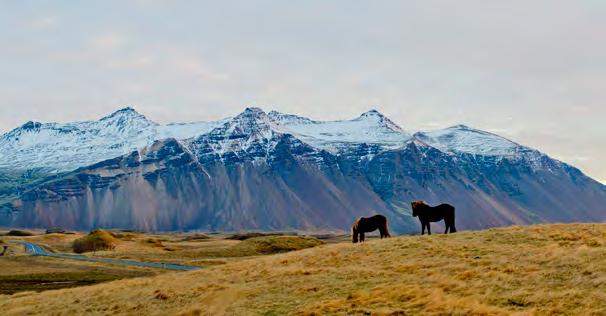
[(244, 236), (21, 233), (153, 242), (195, 237), (96, 240), (55, 230)]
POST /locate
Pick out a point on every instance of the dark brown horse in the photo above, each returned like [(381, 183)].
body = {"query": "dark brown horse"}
[(368, 224), (428, 214)]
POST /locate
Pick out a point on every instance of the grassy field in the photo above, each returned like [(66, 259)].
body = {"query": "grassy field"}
[(22, 272), (544, 269), (28, 273)]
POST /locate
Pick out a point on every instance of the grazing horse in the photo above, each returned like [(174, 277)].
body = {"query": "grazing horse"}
[(368, 224), (428, 214)]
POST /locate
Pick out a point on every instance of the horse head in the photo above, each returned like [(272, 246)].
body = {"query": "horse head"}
[(416, 207)]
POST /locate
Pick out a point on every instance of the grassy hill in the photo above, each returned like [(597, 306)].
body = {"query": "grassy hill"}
[(542, 269)]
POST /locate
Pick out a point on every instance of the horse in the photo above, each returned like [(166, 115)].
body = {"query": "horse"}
[(368, 224), (428, 214)]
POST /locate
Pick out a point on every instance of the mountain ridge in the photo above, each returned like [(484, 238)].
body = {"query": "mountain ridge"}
[(276, 171)]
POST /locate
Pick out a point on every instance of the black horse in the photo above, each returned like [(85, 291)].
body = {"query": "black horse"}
[(368, 224), (428, 214)]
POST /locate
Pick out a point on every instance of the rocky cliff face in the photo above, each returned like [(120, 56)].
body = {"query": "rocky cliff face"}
[(274, 171)]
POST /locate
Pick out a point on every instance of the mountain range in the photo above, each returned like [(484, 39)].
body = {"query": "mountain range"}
[(277, 171)]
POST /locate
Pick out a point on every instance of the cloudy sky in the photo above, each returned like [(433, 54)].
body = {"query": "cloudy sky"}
[(533, 71)]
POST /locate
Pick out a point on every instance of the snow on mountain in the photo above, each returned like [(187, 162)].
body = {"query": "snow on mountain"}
[(371, 127), (278, 171), (57, 147), (464, 139), (243, 133)]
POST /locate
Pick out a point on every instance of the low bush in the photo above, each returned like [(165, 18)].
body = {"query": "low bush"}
[(56, 230), (244, 236), (96, 240), (195, 237), (20, 233)]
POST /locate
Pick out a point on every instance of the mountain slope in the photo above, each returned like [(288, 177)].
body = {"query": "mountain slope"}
[(273, 171)]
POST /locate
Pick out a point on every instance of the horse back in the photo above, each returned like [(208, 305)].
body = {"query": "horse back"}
[(447, 211), (446, 207), (374, 222), (378, 218)]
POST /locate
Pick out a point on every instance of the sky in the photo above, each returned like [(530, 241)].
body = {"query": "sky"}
[(531, 71)]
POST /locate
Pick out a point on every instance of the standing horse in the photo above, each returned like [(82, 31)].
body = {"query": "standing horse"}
[(428, 214), (368, 224)]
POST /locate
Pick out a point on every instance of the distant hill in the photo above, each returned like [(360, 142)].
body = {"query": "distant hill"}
[(276, 171)]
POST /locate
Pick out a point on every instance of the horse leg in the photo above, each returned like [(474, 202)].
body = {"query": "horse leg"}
[(453, 229), (383, 232), (446, 230), (422, 228), (362, 237), (428, 229)]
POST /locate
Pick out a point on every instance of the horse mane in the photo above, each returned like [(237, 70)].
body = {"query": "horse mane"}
[(419, 203)]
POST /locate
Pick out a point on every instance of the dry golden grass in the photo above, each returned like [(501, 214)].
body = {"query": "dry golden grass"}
[(544, 269), (31, 273), (202, 252)]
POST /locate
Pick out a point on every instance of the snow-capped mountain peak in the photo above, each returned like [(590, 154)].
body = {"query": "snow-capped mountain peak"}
[(67, 146), (380, 119), (56, 147), (252, 118), (31, 125), (250, 133), (123, 112), (252, 122), (464, 139), (371, 127), (372, 114), (288, 119), (126, 118)]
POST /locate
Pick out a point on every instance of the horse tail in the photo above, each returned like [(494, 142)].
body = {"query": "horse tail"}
[(386, 229), (354, 231), (453, 229)]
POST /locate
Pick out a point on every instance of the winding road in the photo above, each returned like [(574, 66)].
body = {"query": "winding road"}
[(37, 250)]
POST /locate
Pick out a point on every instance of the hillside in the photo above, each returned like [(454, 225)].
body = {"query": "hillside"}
[(541, 269)]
